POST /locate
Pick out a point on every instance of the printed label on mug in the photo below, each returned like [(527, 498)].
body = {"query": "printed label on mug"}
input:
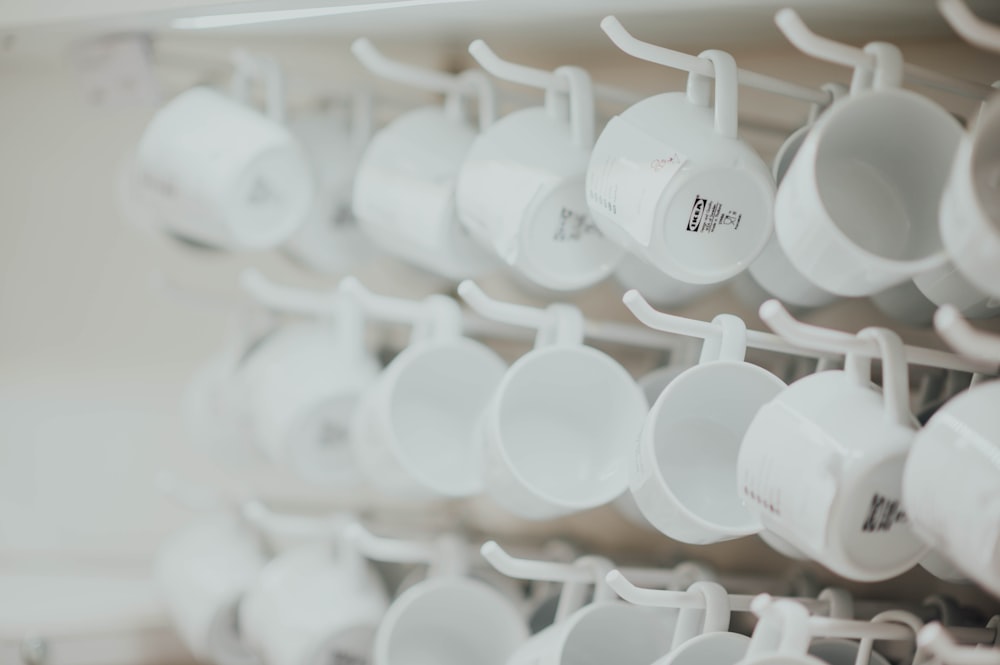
[(709, 216), (625, 184)]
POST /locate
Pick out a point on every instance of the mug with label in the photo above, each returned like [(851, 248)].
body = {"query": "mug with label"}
[(212, 170), (561, 426), (330, 240), (670, 180), (520, 190), (821, 466), (404, 188), (415, 431), (857, 210)]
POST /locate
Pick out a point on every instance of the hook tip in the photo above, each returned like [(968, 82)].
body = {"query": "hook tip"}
[(760, 603), (490, 550), (946, 317), (771, 309)]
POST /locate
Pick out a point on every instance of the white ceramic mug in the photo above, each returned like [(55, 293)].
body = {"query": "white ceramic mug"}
[(212, 170), (562, 425), (415, 433), (602, 631), (203, 572), (684, 475), (670, 180), (970, 209), (312, 605), (301, 387), (330, 240), (520, 190), (450, 618), (404, 188), (950, 481), (857, 210), (772, 270), (821, 466)]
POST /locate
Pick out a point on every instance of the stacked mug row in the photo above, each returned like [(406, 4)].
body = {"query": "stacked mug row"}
[(830, 468), (666, 194), (323, 601)]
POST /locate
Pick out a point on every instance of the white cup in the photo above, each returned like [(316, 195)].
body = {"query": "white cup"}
[(214, 171), (561, 427), (946, 285), (969, 217), (684, 475), (301, 387), (857, 210), (821, 466), (312, 605), (521, 190), (450, 618), (415, 433), (672, 182), (603, 631), (404, 188), (203, 573), (772, 270), (950, 481), (330, 240), (656, 286), (702, 636)]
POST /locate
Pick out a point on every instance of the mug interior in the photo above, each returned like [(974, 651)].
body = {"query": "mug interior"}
[(449, 621), (568, 419), (716, 648), (881, 164), (698, 424), (434, 412), (841, 652)]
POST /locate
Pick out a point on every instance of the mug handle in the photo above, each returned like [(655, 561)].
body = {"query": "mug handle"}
[(249, 68), (455, 101), (895, 373), (727, 89), (730, 344), (440, 318), (362, 119), (562, 325), (714, 618), (783, 628), (578, 103), (350, 322), (573, 595), (888, 73)]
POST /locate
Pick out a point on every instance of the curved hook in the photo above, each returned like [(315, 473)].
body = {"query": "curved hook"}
[(624, 40), (653, 597), (476, 79), (801, 37), (401, 72), (378, 306), (528, 569), (907, 619), (955, 329), (969, 26), (504, 312), (287, 299), (657, 320), (393, 550), (511, 71)]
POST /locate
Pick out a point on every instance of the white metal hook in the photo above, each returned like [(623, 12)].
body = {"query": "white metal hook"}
[(777, 317), (969, 26), (287, 299), (675, 59), (935, 638), (961, 336), (824, 48), (540, 78), (401, 72), (393, 550), (628, 591), (381, 307)]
